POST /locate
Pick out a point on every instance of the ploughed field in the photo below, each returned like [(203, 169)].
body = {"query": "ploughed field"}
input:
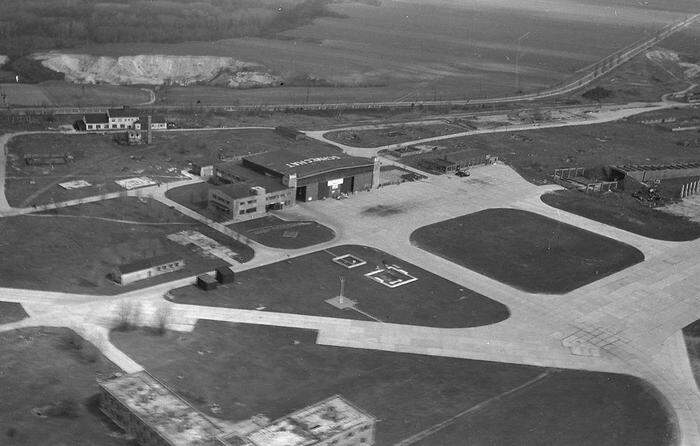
[(526, 250)]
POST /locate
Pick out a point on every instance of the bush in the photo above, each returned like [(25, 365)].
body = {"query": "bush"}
[(597, 94), (128, 316), (65, 408)]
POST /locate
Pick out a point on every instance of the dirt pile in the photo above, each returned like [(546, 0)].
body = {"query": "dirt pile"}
[(155, 69)]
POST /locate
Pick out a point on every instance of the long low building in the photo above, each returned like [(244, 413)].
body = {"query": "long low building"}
[(146, 268), (259, 183)]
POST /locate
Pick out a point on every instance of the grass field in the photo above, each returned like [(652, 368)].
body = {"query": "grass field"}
[(100, 160), (624, 212), (59, 93), (419, 50), (277, 233), (41, 367), (74, 249), (302, 284), (392, 135), (536, 153), (248, 369), (692, 342), (526, 250), (11, 312)]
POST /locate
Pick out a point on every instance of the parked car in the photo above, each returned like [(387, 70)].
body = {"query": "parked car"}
[(462, 173)]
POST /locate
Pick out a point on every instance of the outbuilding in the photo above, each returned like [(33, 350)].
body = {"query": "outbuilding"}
[(224, 275), (146, 268), (206, 282)]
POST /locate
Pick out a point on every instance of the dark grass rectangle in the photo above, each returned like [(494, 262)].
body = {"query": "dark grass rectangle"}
[(624, 212), (526, 250), (302, 285), (270, 230)]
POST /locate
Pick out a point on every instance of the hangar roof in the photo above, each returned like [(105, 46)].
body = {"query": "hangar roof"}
[(307, 161)]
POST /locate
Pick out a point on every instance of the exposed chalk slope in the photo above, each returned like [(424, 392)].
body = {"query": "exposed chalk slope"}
[(156, 69)]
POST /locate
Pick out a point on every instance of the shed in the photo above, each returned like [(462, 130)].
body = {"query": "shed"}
[(206, 282), (224, 275)]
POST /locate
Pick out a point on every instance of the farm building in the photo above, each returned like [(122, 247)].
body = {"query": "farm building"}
[(146, 268), (157, 123), (333, 421), (154, 415), (317, 173), (94, 121), (119, 119)]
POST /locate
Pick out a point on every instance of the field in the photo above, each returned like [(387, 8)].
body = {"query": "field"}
[(302, 285), (59, 93), (51, 370), (535, 154), (11, 312), (393, 135), (692, 342), (525, 250), (74, 249), (99, 160), (248, 369), (624, 212), (285, 234), (412, 51)]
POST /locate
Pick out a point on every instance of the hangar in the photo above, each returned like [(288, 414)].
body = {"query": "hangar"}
[(317, 173)]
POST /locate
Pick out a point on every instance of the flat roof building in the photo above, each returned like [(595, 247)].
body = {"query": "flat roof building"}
[(146, 409), (146, 268), (154, 415), (333, 421)]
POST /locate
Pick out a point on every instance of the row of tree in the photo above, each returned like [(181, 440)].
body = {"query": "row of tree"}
[(27, 26)]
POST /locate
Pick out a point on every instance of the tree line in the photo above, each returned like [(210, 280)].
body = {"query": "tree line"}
[(28, 26)]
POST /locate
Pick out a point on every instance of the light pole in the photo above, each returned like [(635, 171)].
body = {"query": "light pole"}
[(517, 61)]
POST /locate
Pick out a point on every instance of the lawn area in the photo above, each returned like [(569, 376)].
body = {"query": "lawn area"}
[(195, 197), (250, 369), (74, 249), (302, 284), (392, 135), (692, 342), (535, 154), (622, 211), (11, 312), (526, 250), (285, 234), (44, 366), (57, 93), (99, 160)]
